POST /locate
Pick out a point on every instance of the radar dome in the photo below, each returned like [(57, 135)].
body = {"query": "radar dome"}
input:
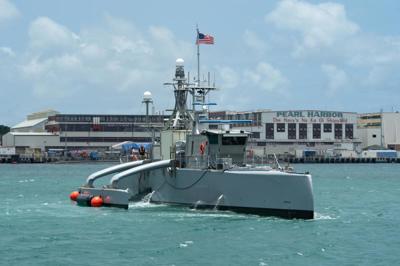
[(179, 62), (147, 95)]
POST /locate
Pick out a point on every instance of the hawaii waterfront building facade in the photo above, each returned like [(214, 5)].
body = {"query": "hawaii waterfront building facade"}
[(293, 131), (102, 131), (52, 130), (380, 130), (285, 133)]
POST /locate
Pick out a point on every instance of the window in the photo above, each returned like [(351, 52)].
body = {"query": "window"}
[(255, 135), (291, 131), (338, 131), (234, 140), (327, 128), (374, 135), (316, 131), (104, 139), (349, 131), (302, 131), (280, 127), (269, 131), (213, 139)]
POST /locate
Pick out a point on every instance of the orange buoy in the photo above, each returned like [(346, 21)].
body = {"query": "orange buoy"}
[(96, 201), (74, 195)]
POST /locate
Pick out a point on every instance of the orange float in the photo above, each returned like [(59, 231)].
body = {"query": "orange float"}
[(96, 201), (74, 195)]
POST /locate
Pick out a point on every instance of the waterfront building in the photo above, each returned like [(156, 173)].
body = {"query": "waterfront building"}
[(380, 130), (102, 131), (291, 133), (82, 131), (295, 131), (34, 122)]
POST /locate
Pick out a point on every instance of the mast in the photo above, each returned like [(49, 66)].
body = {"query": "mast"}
[(194, 126), (198, 56), (381, 127), (181, 117)]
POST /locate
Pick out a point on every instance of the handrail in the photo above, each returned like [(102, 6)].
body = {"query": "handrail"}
[(149, 166), (110, 170)]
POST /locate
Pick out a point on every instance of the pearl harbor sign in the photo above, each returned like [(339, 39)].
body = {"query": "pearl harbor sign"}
[(309, 114), (310, 117)]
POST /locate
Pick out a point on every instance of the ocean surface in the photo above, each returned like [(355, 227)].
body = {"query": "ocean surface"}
[(357, 223)]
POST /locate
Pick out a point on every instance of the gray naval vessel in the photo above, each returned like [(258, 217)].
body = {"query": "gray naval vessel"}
[(202, 168)]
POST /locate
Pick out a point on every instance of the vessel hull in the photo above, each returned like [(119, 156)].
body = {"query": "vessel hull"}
[(270, 193)]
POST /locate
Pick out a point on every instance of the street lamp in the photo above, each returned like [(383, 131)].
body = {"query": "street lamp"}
[(148, 100)]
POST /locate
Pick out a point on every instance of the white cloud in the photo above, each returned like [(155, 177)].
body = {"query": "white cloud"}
[(7, 51), (372, 50), (267, 78), (253, 41), (320, 25), (382, 79), (57, 76), (229, 77), (326, 37), (329, 35), (45, 34), (8, 11), (122, 44), (169, 44), (114, 58), (121, 26), (92, 51), (337, 78)]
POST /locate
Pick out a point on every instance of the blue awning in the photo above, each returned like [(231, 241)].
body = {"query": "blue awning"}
[(136, 146)]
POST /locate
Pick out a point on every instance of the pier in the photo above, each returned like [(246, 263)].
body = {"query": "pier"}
[(341, 160), (322, 160)]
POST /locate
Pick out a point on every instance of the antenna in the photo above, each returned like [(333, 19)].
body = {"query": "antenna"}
[(181, 117), (214, 80)]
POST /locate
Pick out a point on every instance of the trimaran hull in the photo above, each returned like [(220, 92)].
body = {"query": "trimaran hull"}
[(271, 193)]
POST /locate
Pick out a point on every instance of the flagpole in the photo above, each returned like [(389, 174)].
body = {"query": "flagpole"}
[(198, 57)]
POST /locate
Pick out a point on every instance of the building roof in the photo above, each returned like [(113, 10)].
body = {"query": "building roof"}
[(41, 114), (32, 134), (29, 123)]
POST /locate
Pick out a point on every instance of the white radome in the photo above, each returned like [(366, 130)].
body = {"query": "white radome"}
[(147, 95), (179, 62)]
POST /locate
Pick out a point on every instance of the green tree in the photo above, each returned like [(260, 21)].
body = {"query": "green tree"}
[(4, 130)]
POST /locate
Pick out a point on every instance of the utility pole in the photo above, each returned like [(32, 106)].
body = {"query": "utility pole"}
[(148, 100)]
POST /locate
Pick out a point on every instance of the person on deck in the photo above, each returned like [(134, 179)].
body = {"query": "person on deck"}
[(142, 152)]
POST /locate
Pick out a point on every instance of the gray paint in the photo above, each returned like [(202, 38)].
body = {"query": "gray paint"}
[(240, 187)]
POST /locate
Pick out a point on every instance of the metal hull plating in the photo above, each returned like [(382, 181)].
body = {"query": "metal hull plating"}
[(270, 192)]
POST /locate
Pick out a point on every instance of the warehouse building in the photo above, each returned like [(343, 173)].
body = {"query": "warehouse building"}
[(380, 130), (52, 130), (287, 133)]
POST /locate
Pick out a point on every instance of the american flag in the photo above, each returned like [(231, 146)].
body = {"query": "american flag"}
[(204, 39)]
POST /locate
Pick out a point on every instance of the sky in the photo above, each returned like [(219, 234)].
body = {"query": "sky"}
[(99, 57)]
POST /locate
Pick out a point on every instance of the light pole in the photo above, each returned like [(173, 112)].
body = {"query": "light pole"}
[(148, 100)]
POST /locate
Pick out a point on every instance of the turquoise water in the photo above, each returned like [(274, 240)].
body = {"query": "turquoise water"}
[(357, 223)]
